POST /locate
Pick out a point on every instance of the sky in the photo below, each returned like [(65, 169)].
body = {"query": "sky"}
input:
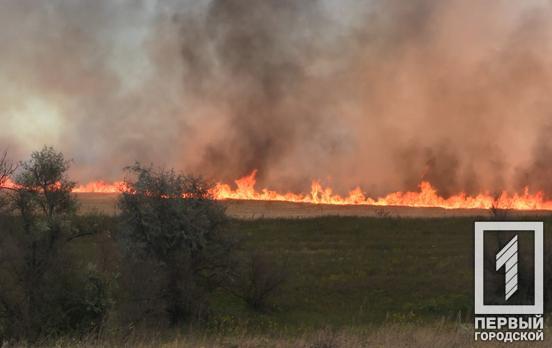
[(381, 94)]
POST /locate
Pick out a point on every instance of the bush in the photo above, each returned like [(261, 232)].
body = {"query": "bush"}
[(258, 281), (172, 231)]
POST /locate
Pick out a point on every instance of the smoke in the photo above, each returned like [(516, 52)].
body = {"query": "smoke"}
[(378, 93)]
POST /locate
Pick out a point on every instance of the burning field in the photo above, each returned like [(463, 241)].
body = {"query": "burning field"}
[(358, 138), (243, 200), (254, 209)]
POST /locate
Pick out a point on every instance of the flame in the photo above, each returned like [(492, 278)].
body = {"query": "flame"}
[(92, 187), (100, 187), (8, 184), (426, 196)]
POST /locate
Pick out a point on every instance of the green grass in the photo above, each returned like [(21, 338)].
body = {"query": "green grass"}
[(347, 271)]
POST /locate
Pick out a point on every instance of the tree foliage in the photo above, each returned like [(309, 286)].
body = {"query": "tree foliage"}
[(171, 221), (43, 290)]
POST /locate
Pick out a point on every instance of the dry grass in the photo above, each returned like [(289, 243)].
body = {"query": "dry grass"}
[(396, 336), (107, 203)]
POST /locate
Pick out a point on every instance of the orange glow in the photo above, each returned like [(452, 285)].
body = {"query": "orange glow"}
[(100, 187), (92, 187), (426, 196), (8, 184)]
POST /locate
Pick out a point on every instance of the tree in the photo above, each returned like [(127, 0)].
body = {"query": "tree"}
[(45, 188), (42, 292), (171, 221), (7, 168)]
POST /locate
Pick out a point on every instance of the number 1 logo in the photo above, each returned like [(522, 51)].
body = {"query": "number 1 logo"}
[(508, 258)]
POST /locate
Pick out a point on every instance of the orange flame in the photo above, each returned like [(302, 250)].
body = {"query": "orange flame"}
[(100, 187), (427, 196), (8, 184), (92, 187)]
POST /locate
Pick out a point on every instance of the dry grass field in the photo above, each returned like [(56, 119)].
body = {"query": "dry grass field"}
[(394, 336), (107, 203)]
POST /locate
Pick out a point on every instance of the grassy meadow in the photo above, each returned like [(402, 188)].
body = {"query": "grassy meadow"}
[(346, 272), (353, 272), (352, 282)]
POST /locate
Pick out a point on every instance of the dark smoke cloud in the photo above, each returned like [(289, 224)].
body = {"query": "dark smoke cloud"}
[(380, 94), (253, 63)]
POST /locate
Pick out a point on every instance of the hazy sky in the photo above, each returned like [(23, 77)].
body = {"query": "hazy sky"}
[(381, 94)]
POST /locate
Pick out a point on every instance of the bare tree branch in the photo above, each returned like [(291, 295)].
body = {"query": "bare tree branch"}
[(7, 168)]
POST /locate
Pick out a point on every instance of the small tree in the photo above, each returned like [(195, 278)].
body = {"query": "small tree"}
[(41, 292), (258, 280), (171, 221)]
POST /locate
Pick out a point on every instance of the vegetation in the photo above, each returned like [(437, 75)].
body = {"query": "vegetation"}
[(258, 280), (438, 335), (172, 268), (44, 291), (172, 227)]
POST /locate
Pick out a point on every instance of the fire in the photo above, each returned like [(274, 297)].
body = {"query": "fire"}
[(100, 187), (91, 187), (426, 196), (8, 184)]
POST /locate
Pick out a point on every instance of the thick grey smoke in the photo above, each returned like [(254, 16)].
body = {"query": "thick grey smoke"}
[(380, 94)]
